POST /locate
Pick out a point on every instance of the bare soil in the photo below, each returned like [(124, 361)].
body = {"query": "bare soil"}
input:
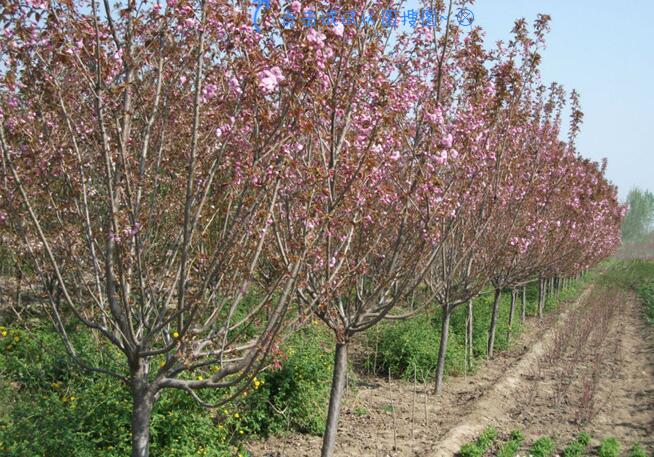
[(527, 388)]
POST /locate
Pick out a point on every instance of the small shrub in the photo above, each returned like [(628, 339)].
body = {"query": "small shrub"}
[(637, 451), (480, 445), (517, 435), (542, 447), (609, 448), (574, 449), (388, 408), (404, 346), (487, 437), (583, 438), (296, 395), (578, 446), (470, 450), (511, 447)]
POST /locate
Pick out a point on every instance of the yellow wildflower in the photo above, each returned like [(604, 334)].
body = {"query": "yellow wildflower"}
[(175, 335)]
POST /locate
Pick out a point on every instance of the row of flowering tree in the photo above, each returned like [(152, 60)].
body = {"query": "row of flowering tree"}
[(191, 188)]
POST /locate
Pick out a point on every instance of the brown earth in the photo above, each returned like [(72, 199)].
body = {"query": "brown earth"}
[(529, 387)]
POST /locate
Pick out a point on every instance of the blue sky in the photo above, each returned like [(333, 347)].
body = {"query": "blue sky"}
[(605, 50)]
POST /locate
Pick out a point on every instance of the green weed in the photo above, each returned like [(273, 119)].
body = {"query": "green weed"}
[(542, 447), (610, 447)]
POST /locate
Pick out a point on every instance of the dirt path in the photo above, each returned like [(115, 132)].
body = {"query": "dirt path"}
[(622, 396), (400, 419)]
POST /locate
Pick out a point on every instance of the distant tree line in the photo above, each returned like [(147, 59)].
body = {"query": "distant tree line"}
[(638, 223)]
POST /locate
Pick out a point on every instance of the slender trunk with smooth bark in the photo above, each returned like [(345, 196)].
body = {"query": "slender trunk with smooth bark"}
[(512, 310), (469, 330), (143, 401), (338, 386), (541, 297), (442, 347), (523, 314), (493, 325), (19, 280)]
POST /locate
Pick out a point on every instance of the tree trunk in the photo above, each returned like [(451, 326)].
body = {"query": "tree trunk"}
[(523, 315), (491, 331), (338, 381), (469, 330), (442, 348), (19, 280), (512, 310), (143, 401), (541, 297)]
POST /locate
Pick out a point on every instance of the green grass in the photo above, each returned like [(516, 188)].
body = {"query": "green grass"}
[(403, 347), (637, 275), (480, 445), (637, 451), (578, 446), (510, 448), (542, 447), (74, 413), (610, 447)]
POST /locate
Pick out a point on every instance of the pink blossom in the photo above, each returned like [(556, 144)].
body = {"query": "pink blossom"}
[(441, 158), (269, 79), (447, 141), (210, 91), (234, 85), (316, 37), (338, 29), (296, 7)]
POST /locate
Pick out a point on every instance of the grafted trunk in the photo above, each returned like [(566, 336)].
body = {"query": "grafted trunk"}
[(442, 347), (493, 325), (143, 401), (336, 395)]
